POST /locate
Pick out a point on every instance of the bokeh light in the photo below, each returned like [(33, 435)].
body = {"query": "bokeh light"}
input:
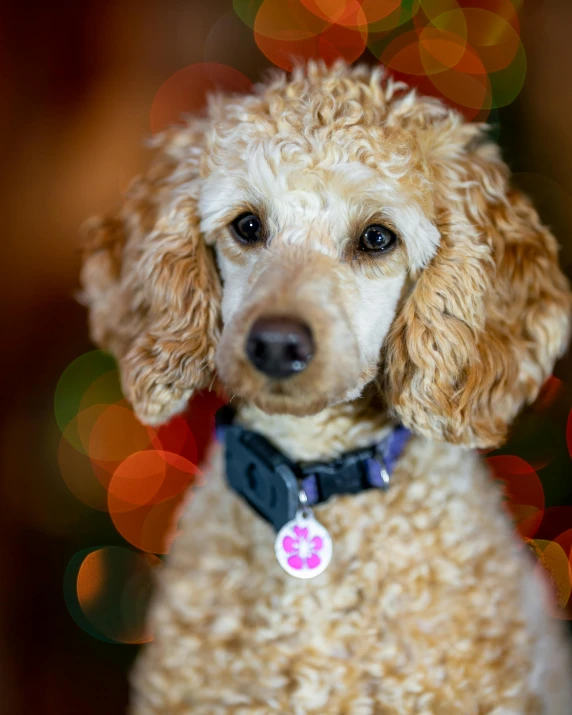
[(506, 84), (285, 32), (553, 563), (152, 527), (247, 10), (186, 91), (335, 42), (347, 13), (74, 382), (287, 21), (104, 390), (495, 40), (117, 433), (149, 477), (403, 14), (80, 478), (549, 393), (78, 430), (352, 13), (471, 56), (111, 462), (176, 437), (467, 53), (107, 591), (565, 541), (522, 490), (227, 40)]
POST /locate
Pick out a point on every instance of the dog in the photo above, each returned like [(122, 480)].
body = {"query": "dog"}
[(347, 258)]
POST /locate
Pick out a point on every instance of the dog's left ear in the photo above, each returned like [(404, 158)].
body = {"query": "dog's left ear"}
[(151, 283), (487, 319)]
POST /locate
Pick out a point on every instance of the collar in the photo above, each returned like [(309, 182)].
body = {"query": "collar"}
[(272, 484)]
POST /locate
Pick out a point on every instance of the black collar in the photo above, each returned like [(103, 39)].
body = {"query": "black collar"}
[(271, 483)]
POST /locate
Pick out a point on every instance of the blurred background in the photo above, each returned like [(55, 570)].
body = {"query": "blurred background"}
[(83, 85)]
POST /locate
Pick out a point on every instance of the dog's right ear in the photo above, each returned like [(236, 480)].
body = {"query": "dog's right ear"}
[(487, 319), (151, 283)]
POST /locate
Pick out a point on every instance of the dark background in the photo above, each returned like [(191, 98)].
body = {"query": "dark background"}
[(78, 80)]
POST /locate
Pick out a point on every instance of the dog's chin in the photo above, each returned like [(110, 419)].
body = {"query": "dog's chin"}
[(277, 397), (288, 404), (290, 397)]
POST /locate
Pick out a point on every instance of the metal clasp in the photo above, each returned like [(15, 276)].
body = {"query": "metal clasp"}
[(303, 507), (383, 473)]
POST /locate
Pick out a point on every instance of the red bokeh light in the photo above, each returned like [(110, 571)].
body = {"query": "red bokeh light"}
[(336, 42), (186, 91), (149, 477), (152, 527), (523, 490)]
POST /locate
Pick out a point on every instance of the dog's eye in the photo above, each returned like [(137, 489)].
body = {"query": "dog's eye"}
[(247, 228), (376, 238)]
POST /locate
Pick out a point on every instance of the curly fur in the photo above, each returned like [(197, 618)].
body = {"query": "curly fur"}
[(429, 605), (152, 285), (480, 332), (421, 611)]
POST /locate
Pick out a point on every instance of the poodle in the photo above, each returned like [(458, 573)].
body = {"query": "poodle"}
[(349, 261)]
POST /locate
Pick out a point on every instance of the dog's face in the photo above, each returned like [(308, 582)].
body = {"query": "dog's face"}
[(331, 230), (315, 237)]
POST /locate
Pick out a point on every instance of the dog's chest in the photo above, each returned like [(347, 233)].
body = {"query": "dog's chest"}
[(413, 593)]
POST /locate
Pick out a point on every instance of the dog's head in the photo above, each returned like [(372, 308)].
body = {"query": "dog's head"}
[(330, 231)]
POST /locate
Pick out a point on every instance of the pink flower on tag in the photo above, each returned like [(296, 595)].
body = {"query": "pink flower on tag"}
[(303, 547), (303, 550)]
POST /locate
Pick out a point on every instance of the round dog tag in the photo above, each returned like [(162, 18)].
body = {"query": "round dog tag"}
[(303, 546)]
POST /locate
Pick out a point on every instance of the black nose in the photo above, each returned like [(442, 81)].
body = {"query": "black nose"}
[(279, 346)]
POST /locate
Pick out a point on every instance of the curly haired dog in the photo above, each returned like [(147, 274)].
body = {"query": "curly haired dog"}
[(368, 241)]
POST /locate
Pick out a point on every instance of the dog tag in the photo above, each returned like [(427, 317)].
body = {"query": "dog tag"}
[(303, 546)]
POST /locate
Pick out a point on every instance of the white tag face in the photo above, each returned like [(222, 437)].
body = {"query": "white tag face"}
[(303, 547)]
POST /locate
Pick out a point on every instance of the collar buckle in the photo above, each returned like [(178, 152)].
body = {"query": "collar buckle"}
[(262, 475), (276, 487)]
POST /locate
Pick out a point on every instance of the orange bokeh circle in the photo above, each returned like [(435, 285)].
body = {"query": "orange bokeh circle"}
[(553, 562), (117, 433), (104, 390), (430, 51), (152, 527), (146, 494), (287, 21), (78, 431), (336, 42), (113, 585), (464, 84), (347, 13), (80, 476), (149, 477), (444, 60), (490, 35)]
